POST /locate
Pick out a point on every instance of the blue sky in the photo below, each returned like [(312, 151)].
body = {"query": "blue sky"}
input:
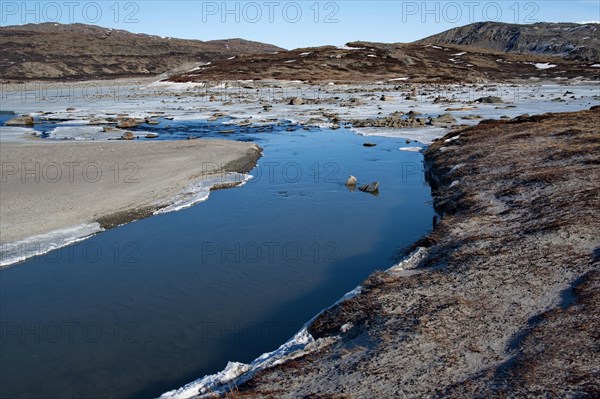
[(298, 23)]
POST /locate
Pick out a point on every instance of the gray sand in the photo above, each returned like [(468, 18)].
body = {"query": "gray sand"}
[(47, 186)]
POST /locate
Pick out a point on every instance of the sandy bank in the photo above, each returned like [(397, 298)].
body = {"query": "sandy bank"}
[(501, 299), (47, 186)]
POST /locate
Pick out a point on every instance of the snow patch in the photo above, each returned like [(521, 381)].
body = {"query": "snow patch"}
[(350, 48), (451, 139), (411, 149), (545, 65)]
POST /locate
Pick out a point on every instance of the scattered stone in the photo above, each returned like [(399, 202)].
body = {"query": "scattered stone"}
[(386, 98), (442, 119), (70, 109), (413, 113), (297, 101), (461, 109), (471, 117), (127, 136), (20, 121), (152, 122), (151, 135), (98, 121), (489, 100)]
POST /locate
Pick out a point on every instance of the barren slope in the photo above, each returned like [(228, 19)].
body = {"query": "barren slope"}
[(77, 51)]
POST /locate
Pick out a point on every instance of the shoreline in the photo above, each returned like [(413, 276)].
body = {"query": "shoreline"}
[(58, 193), (440, 314)]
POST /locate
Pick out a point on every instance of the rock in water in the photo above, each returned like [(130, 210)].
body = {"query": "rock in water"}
[(127, 136), (297, 101), (370, 188), (369, 144), (127, 123), (151, 135), (351, 181), (20, 121)]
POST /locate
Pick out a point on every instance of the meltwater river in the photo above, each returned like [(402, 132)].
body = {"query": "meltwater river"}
[(147, 307)]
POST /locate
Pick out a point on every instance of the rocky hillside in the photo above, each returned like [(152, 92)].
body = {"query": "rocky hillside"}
[(364, 61), (567, 40), (77, 51)]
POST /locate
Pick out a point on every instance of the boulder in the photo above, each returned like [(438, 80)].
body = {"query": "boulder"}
[(297, 101), (127, 123), (127, 136), (107, 129), (20, 121)]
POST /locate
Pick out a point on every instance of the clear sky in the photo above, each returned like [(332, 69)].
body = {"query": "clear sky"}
[(298, 23)]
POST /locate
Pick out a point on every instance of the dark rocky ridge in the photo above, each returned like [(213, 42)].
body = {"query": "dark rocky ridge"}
[(566, 40), (78, 51), (372, 62)]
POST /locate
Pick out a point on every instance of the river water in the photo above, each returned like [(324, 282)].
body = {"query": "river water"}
[(147, 307)]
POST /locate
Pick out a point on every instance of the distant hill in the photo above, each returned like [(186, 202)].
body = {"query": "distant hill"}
[(78, 51), (566, 40)]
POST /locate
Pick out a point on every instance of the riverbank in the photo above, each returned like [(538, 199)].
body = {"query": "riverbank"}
[(80, 188), (500, 299)]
